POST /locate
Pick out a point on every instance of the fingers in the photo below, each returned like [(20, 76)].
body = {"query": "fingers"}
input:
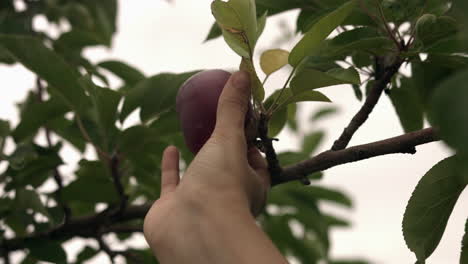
[(259, 165), (232, 106), (169, 170)]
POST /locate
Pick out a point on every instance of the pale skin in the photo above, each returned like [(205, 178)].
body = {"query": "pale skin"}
[(209, 215)]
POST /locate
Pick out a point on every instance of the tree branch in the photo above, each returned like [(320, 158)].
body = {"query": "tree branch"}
[(85, 226), (274, 167), (372, 99), (405, 144)]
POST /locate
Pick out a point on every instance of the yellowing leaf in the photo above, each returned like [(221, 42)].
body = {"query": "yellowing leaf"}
[(238, 21), (273, 60)]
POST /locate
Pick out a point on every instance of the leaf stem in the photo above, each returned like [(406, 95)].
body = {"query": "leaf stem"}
[(266, 79), (102, 154), (387, 27), (275, 104)]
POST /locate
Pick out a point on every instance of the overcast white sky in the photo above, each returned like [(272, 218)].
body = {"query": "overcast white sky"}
[(156, 36)]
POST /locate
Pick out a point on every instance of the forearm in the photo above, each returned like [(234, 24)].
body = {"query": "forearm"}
[(227, 235)]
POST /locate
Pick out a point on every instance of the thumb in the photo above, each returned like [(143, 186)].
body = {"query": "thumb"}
[(233, 105)]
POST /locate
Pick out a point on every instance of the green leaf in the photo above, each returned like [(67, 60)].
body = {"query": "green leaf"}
[(311, 142), (129, 74), (31, 165), (92, 177), (449, 45), (322, 113), (357, 92), (146, 137), (430, 28), (408, 106), (215, 31), (292, 117), (309, 79), (426, 76), (167, 124), (362, 59), (85, 254), (104, 13), (69, 131), (307, 18), (258, 91), (289, 158), (4, 132), (321, 193), (319, 32), (334, 221), (47, 250), (431, 205), (77, 40), (278, 122), (464, 250), (261, 23), (5, 56), (19, 221), (448, 111), (154, 95), (238, 21), (36, 116), (374, 45), (28, 199), (365, 40), (48, 65), (104, 112), (273, 60), (288, 98), (79, 16)]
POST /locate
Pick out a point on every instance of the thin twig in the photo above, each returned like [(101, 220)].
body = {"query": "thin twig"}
[(275, 104), (372, 16), (104, 247), (369, 105), (114, 164), (102, 154), (56, 173), (387, 27), (405, 144)]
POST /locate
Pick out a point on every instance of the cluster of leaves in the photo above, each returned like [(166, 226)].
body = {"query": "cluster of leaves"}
[(69, 109), (73, 106), (373, 36)]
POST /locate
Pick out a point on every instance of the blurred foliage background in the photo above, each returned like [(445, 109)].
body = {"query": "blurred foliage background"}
[(73, 104)]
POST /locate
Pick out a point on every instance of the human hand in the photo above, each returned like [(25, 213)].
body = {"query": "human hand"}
[(224, 176)]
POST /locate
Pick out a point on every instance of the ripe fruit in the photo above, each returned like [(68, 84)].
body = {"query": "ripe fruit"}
[(197, 102)]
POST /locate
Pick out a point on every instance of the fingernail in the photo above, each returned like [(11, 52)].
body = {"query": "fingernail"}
[(241, 79)]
